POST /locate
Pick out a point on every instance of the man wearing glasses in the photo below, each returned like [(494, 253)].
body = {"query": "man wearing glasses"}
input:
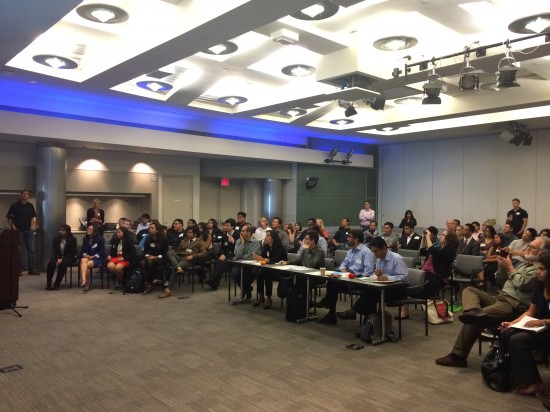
[(482, 309)]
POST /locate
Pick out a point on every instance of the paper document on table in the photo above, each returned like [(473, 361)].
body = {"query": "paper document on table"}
[(318, 272), (294, 267), (522, 322), (249, 262), (281, 267)]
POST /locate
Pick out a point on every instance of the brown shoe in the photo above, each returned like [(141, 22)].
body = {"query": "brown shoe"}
[(165, 294), (452, 360)]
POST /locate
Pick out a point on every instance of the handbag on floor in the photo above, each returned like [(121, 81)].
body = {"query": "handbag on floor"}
[(496, 368), (438, 312)]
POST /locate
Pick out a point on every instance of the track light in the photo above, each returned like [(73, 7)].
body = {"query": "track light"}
[(350, 110), (507, 70), (469, 79), (432, 89), (517, 134)]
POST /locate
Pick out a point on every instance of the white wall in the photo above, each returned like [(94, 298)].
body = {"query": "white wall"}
[(472, 178)]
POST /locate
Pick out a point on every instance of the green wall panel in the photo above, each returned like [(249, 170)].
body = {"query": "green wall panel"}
[(340, 192)]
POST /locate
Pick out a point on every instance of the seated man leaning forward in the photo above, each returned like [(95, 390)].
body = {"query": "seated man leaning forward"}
[(358, 260), (245, 248), (389, 266), (190, 251), (482, 309)]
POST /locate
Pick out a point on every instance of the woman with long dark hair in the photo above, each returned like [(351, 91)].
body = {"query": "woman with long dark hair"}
[(408, 218), (205, 235), (274, 252), (92, 254), (438, 263), (154, 256), (63, 255), (523, 342), (122, 254), (214, 230)]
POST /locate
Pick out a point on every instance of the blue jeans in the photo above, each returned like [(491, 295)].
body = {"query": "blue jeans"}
[(27, 238)]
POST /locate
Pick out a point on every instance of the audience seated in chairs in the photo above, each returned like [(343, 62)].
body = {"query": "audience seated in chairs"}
[(496, 249), (122, 254), (389, 266), (288, 228), (467, 244), (92, 254), (227, 251), (438, 262), (392, 239), (408, 218), (323, 231), (246, 248), (360, 261), (214, 231), (64, 254), (340, 239), (482, 309), (277, 226), (190, 251), (263, 227), (133, 237), (154, 256), (509, 233), (518, 248), (371, 233), (274, 252), (522, 343), (175, 234), (310, 223), (487, 240)]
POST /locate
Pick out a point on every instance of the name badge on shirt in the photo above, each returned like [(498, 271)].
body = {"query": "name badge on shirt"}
[(358, 260), (94, 245), (225, 244), (517, 213), (181, 235), (188, 250), (152, 245)]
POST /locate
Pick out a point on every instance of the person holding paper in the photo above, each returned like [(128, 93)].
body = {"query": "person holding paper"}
[(529, 333)]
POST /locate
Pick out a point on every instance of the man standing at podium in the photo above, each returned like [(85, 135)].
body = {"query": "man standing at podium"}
[(22, 217)]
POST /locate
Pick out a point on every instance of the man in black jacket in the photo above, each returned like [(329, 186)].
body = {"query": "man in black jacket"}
[(227, 252), (409, 239), (467, 244)]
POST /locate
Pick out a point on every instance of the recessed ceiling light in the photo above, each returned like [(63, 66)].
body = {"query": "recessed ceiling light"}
[(227, 47), (102, 13), (293, 112), (395, 43), (341, 122), (533, 24), (387, 129), (154, 86), (232, 100), (298, 70), (319, 11), (408, 100), (55, 62)]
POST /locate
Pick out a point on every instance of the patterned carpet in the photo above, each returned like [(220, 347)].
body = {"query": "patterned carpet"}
[(101, 351)]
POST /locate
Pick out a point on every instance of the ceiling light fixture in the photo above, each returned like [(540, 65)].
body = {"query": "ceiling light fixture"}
[(432, 88), (507, 69), (102, 13), (298, 70), (539, 23), (395, 43), (319, 11), (55, 62), (341, 122), (227, 47), (232, 100), (469, 79), (293, 112), (155, 86)]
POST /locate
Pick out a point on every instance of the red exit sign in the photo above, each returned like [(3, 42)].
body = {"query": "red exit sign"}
[(225, 182)]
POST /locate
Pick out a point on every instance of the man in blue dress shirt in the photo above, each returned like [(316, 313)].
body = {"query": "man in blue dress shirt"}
[(389, 266), (359, 260)]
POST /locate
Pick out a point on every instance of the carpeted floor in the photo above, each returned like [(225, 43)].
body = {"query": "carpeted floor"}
[(101, 351)]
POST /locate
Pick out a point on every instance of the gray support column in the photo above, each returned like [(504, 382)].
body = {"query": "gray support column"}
[(251, 200), (51, 188), (273, 198)]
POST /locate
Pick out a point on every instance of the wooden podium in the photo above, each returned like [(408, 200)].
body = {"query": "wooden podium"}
[(9, 270)]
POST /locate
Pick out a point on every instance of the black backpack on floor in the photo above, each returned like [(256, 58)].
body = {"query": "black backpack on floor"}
[(134, 281), (295, 305)]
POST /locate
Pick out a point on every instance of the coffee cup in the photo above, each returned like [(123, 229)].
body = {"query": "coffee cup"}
[(323, 271)]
